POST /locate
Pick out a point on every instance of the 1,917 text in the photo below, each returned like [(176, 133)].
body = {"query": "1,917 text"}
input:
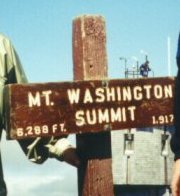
[(162, 119)]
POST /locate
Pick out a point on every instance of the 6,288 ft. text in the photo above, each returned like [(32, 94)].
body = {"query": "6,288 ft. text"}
[(40, 130)]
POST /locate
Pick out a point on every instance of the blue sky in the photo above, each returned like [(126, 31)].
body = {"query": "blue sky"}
[(41, 31)]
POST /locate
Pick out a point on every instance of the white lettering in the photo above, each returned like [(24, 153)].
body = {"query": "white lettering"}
[(106, 115), (34, 100), (100, 95), (88, 97), (80, 121), (91, 117), (46, 94), (168, 91), (62, 127), (126, 91), (73, 95), (110, 94), (54, 128), (103, 116), (147, 89), (138, 93), (123, 114), (158, 93), (115, 115), (132, 112), (118, 90)]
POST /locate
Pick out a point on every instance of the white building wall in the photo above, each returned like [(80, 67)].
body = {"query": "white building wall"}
[(144, 163)]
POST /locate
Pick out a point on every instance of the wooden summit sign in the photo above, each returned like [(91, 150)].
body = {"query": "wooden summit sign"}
[(87, 106)]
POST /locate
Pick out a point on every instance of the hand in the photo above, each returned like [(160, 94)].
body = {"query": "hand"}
[(62, 150), (175, 184)]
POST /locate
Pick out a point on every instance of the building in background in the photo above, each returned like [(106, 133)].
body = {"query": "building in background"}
[(142, 158)]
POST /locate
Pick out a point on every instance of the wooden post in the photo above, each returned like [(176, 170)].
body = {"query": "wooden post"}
[(90, 62)]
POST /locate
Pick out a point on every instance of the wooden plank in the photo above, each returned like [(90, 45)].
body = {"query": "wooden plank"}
[(90, 62), (88, 106)]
